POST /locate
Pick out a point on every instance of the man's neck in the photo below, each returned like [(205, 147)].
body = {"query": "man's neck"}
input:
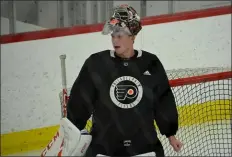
[(127, 54)]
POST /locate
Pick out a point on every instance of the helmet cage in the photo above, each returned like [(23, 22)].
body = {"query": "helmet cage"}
[(123, 16)]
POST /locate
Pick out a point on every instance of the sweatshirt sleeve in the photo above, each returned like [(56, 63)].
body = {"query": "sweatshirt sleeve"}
[(165, 111), (81, 99)]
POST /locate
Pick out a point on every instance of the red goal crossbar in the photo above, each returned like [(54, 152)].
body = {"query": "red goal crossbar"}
[(201, 79)]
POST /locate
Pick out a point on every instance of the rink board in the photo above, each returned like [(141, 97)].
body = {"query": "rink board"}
[(37, 139)]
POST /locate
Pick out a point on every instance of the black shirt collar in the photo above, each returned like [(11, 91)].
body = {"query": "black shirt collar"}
[(136, 55)]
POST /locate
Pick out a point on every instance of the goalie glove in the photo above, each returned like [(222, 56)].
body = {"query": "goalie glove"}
[(68, 141)]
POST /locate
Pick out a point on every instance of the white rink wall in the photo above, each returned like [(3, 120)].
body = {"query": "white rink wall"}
[(31, 74)]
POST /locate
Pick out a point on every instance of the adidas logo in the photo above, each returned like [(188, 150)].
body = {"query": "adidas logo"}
[(146, 73)]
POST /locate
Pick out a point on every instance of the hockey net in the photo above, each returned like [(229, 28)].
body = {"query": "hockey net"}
[(203, 98)]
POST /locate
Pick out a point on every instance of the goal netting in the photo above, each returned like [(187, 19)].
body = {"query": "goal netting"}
[(203, 98)]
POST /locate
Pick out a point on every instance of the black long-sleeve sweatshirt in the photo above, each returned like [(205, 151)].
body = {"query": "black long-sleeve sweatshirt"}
[(124, 96)]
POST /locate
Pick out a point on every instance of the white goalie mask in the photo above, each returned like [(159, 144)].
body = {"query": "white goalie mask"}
[(124, 19)]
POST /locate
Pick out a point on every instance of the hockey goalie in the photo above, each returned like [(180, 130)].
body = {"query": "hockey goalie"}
[(68, 141), (125, 90)]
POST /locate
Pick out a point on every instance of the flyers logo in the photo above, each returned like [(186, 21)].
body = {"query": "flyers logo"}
[(126, 92), (114, 21)]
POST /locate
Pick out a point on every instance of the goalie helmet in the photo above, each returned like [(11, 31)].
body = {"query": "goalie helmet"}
[(125, 19)]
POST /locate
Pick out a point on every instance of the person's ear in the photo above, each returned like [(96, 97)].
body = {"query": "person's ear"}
[(133, 38)]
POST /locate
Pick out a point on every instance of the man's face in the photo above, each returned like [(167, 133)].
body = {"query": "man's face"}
[(121, 42)]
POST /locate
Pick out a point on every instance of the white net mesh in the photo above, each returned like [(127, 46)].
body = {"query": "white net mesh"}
[(204, 112)]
